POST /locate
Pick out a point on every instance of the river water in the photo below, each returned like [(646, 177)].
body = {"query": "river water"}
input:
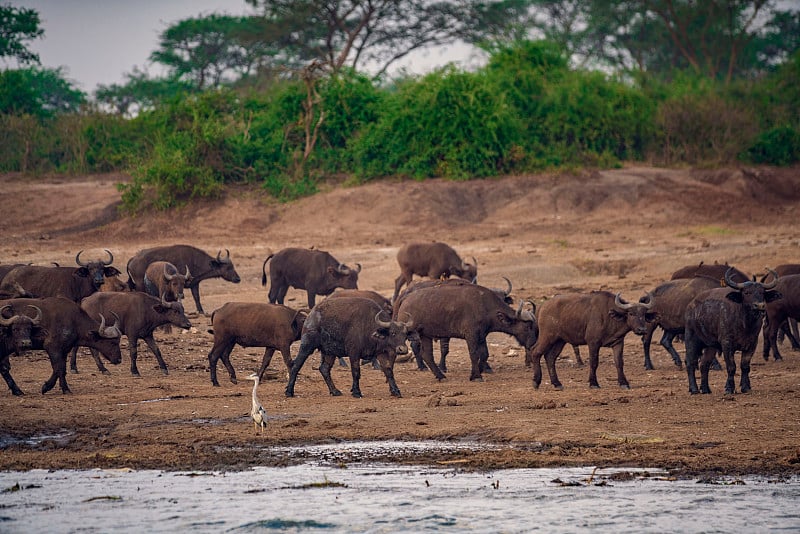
[(326, 495)]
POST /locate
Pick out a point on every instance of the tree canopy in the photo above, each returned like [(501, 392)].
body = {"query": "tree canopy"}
[(17, 27)]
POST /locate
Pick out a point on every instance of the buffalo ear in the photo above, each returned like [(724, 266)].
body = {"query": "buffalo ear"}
[(380, 333), (108, 272), (651, 317), (769, 296), (160, 308), (216, 264), (734, 296), (82, 271)]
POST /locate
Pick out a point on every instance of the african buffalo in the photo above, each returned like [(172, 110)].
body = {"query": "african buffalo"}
[(139, 315), (65, 325), (789, 327), (73, 284), (15, 336), (434, 260), (253, 324), (351, 326), (778, 311), (162, 280), (716, 271), (316, 271), (668, 302), (466, 311), (183, 257), (597, 319), (727, 319)]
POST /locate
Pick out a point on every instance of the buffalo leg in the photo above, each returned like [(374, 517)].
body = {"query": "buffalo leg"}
[(59, 364), (478, 354), (355, 371), (399, 282), (550, 358), (619, 363), (770, 331), (221, 350), (693, 349), (195, 289), (793, 334), (151, 344), (308, 344), (5, 370), (744, 382), (98, 361), (666, 342), (266, 359), (594, 362), (444, 350), (387, 366), (426, 349), (647, 339), (416, 348), (577, 352), (534, 359), (325, 371), (705, 365)]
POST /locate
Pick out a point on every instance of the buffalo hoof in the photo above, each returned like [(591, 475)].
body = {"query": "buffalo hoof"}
[(396, 394), (729, 391), (105, 372), (745, 389), (558, 387), (476, 379), (73, 370), (624, 386), (649, 367), (594, 386), (357, 395), (693, 391), (289, 393), (715, 366), (17, 392), (165, 371), (778, 357), (705, 391), (336, 393)]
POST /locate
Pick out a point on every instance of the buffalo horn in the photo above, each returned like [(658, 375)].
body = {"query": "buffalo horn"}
[(3, 320), (622, 304), (109, 331), (647, 301), (38, 319), (188, 275), (774, 279), (358, 267), (731, 283), (343, 269), (507, 293), (410, 323), (78, 259), (166, 274), (226, 259), (110, 258), (382, 324)]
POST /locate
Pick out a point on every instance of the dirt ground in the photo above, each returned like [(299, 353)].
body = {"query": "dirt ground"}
[(622, 230)]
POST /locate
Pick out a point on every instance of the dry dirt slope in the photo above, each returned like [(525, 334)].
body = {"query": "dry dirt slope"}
[(623, 230)]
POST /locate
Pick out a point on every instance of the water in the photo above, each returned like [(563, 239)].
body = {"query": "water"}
[(325, 495)]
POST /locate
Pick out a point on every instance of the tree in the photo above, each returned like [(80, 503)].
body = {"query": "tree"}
[(17, 26), (207, 51), (139, 92), (360, 33), (39, 92)]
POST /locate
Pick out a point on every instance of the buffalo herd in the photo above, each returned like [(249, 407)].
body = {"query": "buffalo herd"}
[(715, 309)]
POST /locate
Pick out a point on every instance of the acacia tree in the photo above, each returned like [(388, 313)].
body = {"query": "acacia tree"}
[(18, 26), (209, 50)]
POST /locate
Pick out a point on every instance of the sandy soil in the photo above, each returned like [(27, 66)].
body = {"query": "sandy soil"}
[(623, 230)]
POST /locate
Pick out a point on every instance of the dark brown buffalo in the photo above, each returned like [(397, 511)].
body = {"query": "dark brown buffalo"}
[(316, 271), (375, 297), (70, 283), (183, 257), (253, 324), (352, 326), (162, 280), (465, 311), (668, 302), (15, 336), (138, 315), (726, 319), (63, 326), (780, 310), (789, 328), (716, 271), (7, 268), (444, 343), (597, 319), (434, 260)]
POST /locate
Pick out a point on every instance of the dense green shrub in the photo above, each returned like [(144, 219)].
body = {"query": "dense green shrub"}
[(778, 146)]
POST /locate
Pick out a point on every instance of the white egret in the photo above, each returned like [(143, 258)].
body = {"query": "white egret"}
[(257, 412)]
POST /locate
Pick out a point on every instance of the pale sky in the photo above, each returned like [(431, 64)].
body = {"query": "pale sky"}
[(98, 41)]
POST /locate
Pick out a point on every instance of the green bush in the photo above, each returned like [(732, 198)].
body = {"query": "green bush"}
[(778, 146)]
